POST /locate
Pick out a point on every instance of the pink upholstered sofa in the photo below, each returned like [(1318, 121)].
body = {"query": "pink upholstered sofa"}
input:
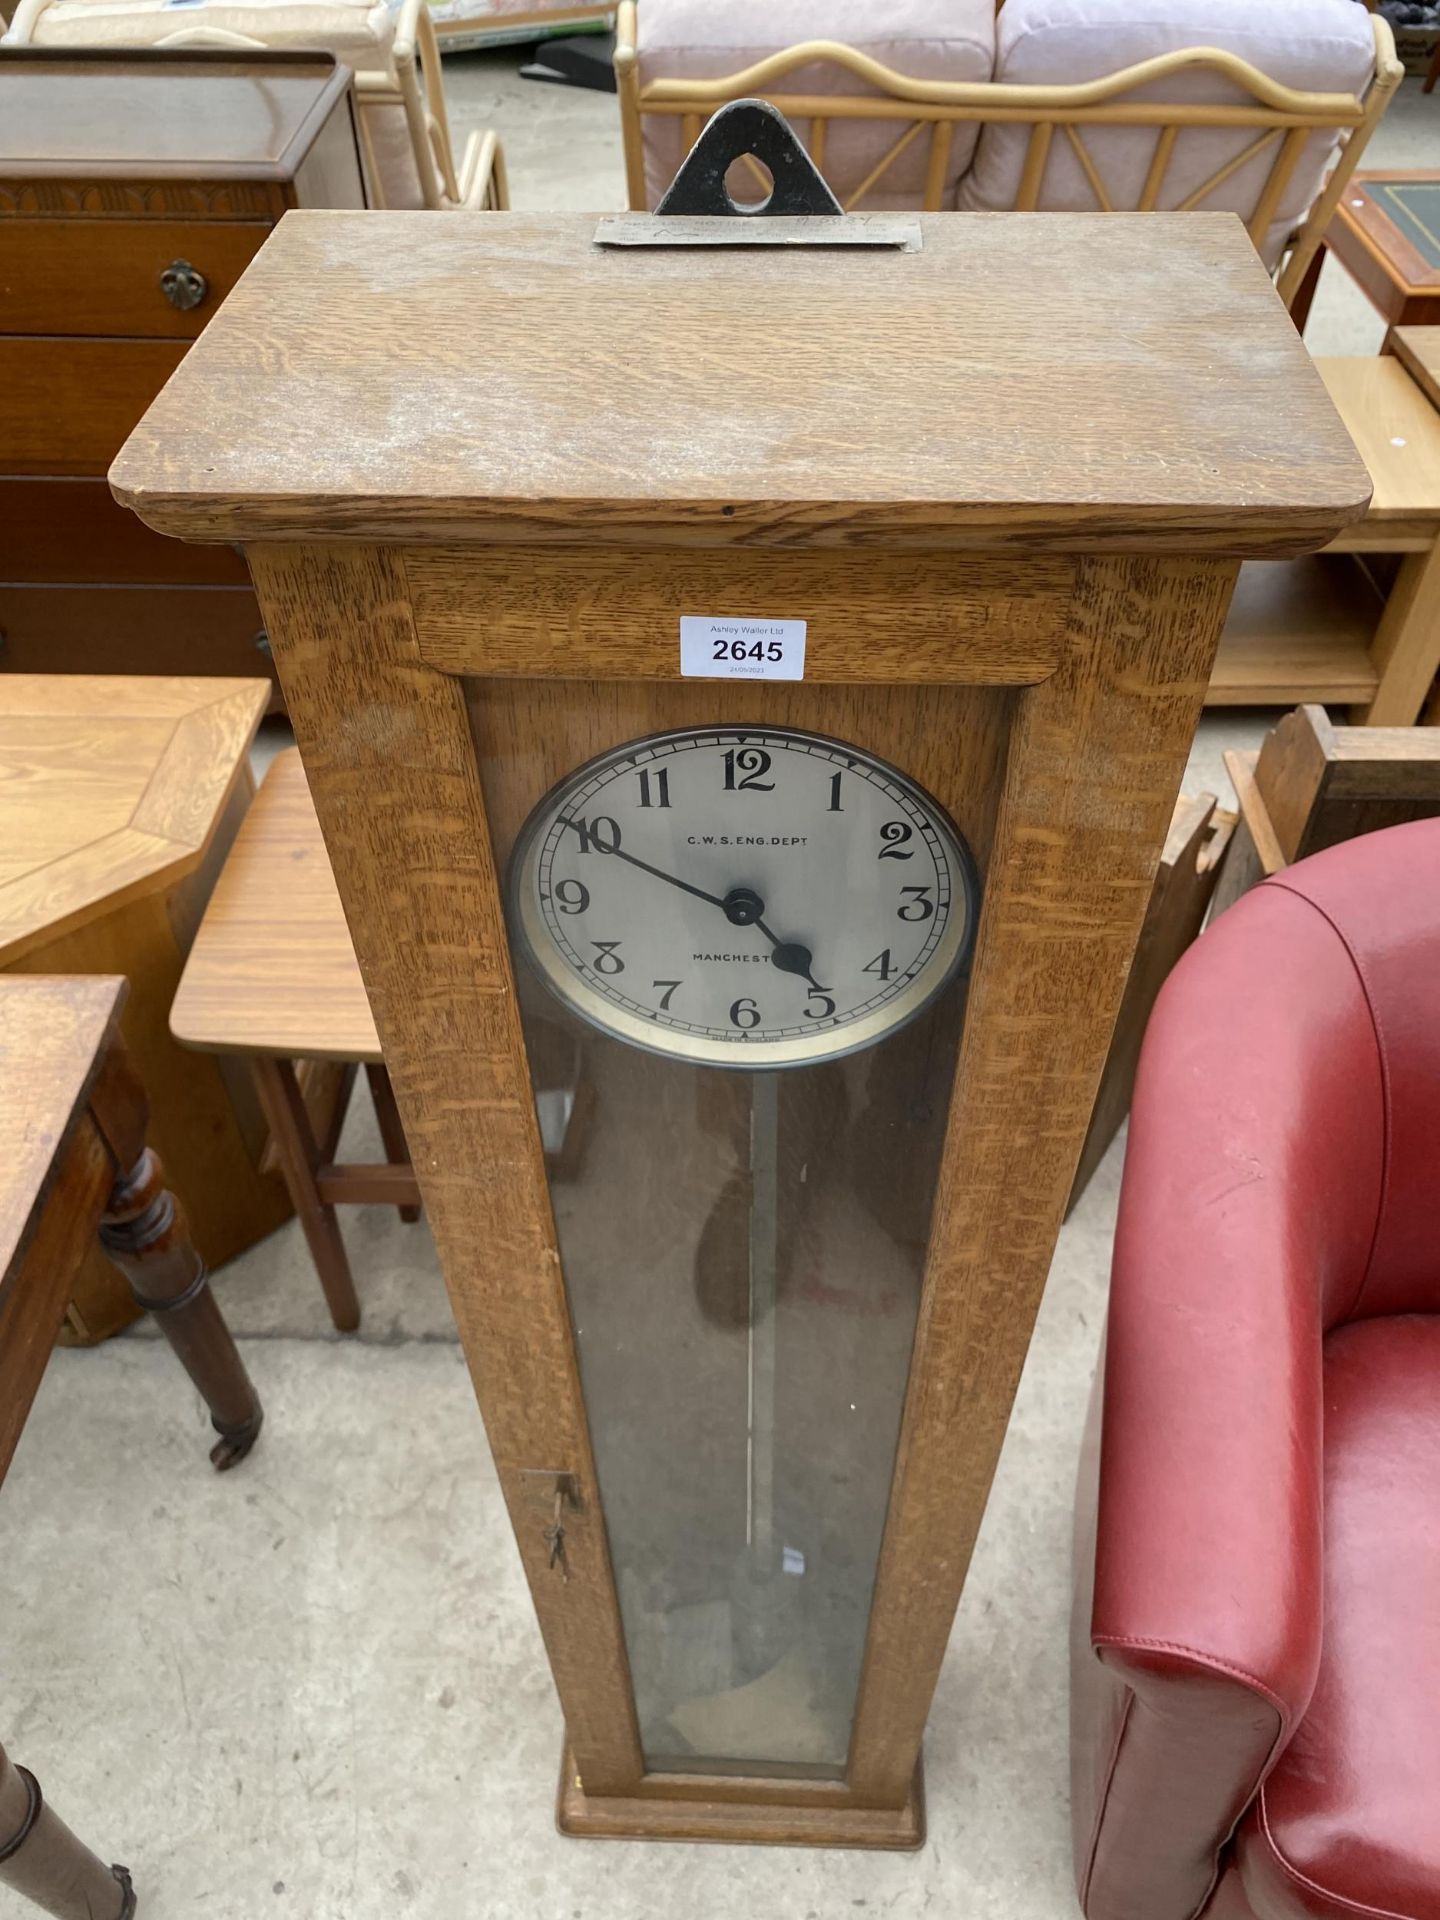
[(1260, 107)]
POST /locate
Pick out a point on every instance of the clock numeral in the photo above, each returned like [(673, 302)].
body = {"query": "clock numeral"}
[(607, 960), (895, 833), (669, 993), (745, 1015), (920, 906), (881, 964), (751, 763), (835, 806), (600, 835), (662, 787), (572, 896), (826, 1007)]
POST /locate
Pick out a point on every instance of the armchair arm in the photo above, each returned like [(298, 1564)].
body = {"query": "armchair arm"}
[(1250, 1198)]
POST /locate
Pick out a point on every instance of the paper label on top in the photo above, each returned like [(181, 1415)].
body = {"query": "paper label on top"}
[(719, 649)]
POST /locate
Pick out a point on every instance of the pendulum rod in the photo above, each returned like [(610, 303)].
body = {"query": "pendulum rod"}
[(764, 1253)]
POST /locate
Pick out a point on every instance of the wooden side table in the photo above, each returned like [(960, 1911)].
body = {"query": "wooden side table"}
[(74, 1164), (1357, 626), (1386, 234), (119, 798)]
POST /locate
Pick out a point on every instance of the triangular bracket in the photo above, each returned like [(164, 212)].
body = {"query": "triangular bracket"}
[(748, 127)]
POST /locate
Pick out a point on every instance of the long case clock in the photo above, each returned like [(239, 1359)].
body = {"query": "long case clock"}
[(744, 689)]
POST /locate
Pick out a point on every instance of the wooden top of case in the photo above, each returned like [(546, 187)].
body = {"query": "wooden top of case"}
[(1120, 381)]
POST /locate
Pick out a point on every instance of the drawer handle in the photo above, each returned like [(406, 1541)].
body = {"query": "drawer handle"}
[(183, 286)]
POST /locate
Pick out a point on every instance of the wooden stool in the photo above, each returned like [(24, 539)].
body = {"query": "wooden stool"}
[(1357, 626), (272, 976), (74, 1163), (119, 798)]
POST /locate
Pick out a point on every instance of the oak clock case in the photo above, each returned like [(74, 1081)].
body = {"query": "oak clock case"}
[(743, 1250)]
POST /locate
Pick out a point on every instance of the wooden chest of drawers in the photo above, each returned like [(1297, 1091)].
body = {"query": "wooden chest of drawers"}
[(134, 188)]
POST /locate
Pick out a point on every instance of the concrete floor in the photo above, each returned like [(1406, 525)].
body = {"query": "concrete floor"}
[(315, 1687)]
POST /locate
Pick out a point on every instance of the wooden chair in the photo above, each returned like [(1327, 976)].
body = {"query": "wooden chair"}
[(1312, 785), (272, 977), (1283, 121), (403, 126)]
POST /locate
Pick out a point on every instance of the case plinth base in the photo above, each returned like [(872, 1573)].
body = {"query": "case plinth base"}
[(736, 1822)]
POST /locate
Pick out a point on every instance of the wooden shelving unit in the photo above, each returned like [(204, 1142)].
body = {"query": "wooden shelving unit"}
[(1350, 627), (1299, 630)]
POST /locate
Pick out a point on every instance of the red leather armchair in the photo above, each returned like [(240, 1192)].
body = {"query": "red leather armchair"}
[(1255, 1712)]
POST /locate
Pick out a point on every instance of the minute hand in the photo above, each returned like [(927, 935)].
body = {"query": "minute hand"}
[(618, 853)]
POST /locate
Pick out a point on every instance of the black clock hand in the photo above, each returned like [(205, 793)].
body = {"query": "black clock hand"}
[(742, 907), (790, 957), (619, 853)]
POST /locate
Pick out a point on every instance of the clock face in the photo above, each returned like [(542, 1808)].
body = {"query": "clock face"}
[(743, 897)]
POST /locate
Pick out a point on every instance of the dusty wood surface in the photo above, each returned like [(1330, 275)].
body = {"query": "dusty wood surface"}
[(272, 968), (775, 397)]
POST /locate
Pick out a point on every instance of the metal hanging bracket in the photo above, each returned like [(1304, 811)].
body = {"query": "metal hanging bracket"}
[(698, 210)]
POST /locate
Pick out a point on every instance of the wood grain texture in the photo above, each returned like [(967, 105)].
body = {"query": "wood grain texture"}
[(1317, 784), (74, 277), (119, 798), (274, 971), (1396, 431), (66, 405), (735, 1811), (1406, 647), (392, 767), (1090, 785), (109, 788), (53, 1037), (160, 115), (1196, 844), (1418, 351), (1300, 630), (1389, 267), (623, 394), (892, 618)]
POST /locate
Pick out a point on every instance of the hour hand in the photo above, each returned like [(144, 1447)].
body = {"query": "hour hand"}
[(790, 957)]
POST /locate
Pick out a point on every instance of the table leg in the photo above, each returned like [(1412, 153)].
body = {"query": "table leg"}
[(41, 1858), (1305, 292), (299, 1153), (146, 1234), (392, 1133), (1406, 647)]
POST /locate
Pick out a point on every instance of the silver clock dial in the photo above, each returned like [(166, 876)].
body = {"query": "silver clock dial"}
[(743, 897)]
